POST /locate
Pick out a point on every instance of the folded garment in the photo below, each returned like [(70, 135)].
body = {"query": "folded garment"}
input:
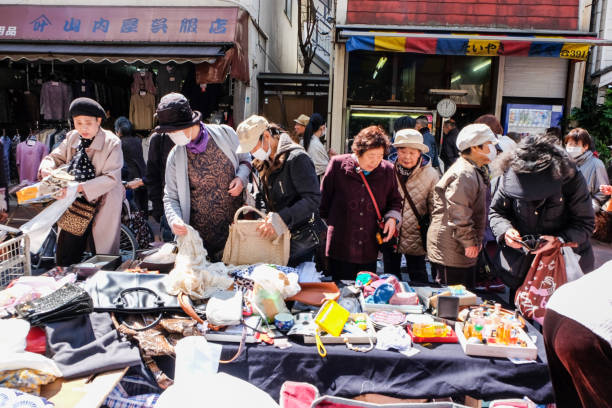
[(25, 380)]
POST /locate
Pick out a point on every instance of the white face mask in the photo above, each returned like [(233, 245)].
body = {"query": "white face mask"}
[(492, 153), (574, 151), (261, 154), (179, 138)]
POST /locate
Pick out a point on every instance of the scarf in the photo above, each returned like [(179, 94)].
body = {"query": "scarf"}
[(80, 166), (198, 145)]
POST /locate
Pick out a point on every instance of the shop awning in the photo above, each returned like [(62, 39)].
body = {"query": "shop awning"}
[(110, 53), (576, 48)]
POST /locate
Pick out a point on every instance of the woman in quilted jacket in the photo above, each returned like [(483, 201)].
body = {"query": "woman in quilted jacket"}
[(416, 177)]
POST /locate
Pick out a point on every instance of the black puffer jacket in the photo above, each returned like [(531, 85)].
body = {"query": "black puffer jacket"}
[(541, 193), (290, 184)]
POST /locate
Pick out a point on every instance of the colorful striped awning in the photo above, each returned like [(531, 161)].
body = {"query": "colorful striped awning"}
[(472, 44)]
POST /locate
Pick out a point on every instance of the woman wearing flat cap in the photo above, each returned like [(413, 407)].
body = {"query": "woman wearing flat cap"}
[(95, 159), (204, 174), (416, 179)]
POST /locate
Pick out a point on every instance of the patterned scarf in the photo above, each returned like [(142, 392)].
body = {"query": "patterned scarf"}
[(80, 166)]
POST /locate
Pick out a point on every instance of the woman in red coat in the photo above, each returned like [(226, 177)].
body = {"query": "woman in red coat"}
[(348, 208)]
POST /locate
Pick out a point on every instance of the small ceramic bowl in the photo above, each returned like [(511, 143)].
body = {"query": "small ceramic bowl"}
[(283, 321)]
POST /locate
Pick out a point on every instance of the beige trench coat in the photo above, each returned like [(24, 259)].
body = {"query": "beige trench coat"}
[(107, 158), (420, 186), (458, 220)]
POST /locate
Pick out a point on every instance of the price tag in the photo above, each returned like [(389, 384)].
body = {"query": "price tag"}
[(54, 83), (143, 93), (172, 79), (83, 88)]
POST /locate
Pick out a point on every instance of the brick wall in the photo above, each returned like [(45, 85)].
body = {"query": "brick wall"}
[(518, 14)]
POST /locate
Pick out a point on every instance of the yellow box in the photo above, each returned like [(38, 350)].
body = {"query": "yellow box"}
[(27, 194), (332, 317)]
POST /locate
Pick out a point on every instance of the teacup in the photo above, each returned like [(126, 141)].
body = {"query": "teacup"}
[(283, 321)]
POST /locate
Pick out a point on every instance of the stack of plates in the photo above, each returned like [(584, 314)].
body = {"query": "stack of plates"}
[(385, 318)]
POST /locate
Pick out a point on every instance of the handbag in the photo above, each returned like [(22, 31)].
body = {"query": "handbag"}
[(307, 237), (423, 220), (65, 303), (245, 246), (132, 293), (77, 217), (547, 273), (380, 221)]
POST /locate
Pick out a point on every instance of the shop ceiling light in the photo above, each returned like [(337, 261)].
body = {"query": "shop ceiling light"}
[(455, 78), (481, 65), (375, 74), (378, 115), (381, 63)]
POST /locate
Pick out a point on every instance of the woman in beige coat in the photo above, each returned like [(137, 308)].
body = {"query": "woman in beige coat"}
[(94, 157), (416, 176)]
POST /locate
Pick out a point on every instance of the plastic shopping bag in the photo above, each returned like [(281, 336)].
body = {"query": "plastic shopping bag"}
[(573, 270), (38, 228)]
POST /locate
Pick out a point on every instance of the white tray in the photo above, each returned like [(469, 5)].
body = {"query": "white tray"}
[(496, 350), (373, 307)]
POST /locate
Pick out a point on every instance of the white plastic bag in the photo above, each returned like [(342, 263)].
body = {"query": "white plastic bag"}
[(274, 280), (193, 275), (38, 228), (573, 270)]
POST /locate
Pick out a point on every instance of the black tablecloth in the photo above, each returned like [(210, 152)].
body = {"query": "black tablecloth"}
[(440, 371)]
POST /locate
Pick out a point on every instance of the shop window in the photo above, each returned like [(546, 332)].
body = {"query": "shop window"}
[(472, 74), (370, 76)]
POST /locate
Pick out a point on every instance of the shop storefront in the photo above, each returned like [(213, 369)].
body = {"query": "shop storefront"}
[(125, 57), (526, 81)]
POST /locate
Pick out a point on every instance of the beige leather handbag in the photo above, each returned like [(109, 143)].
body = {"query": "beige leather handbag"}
[(245, 246)]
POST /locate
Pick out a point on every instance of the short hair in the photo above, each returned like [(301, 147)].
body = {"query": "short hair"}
[(580, 135), (422, 120), (555, 131), (514, 136), (123, 126), (404, 122), (492, 122), (450, 122), (468, 150), (369, 138)]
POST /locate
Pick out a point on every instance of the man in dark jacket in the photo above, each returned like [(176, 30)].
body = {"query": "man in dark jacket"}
[(540, 193), (422, 125), (448, 149), (155, 175), (133, 163)]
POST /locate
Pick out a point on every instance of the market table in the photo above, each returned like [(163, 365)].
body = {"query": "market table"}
[(442, 370)]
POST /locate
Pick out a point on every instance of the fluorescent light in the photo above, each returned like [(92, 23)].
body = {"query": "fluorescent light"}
[(455, 78), (381, 63), (378, 115), (481, 65), (375, 74)]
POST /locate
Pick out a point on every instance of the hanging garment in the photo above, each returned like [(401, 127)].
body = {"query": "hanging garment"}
[(83, 88), (143, 83), (142, 109), (6, 159), (169, 79), (55, 98), (29, 155)]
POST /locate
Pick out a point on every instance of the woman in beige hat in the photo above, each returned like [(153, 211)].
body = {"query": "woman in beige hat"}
[(416, 180)]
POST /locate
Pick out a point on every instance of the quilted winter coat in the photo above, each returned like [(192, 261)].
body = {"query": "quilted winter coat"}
[(420, 185)]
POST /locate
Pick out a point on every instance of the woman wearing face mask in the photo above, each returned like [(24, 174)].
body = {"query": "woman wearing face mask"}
[(458, 219), (346, 204), (579, 145), (94, 157), (312, 143), (287, 180), (417, 178), (204, 174)]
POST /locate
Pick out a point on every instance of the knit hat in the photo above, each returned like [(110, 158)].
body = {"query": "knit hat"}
[(475, 135), (86, 107), (410, 138), (249, 132), (174, 113)]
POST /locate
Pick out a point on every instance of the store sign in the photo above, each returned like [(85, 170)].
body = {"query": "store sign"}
[(118, 24)]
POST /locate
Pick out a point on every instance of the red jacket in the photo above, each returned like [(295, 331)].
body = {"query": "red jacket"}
[(348, 209)]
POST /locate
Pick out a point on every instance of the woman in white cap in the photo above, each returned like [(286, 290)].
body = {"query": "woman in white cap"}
[(416, 179), (458, 220), (288, 185)]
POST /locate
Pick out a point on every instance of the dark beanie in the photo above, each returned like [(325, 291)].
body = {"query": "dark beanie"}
[(86, 107)]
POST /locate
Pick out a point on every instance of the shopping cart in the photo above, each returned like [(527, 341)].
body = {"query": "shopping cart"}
[(14, 255)]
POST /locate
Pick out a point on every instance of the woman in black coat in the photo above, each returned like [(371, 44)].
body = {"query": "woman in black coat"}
[(539, 193), (134, 166)]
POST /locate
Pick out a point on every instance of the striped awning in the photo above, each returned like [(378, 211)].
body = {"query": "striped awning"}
[(472, 44)]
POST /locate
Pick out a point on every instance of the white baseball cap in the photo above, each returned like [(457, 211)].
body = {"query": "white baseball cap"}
[(475, 135)]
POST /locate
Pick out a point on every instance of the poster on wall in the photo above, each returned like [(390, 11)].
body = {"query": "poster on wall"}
[(531, 120)]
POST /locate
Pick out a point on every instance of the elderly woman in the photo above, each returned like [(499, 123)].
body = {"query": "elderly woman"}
[(579, 146), (353, 236), (94, 157), (204, 175), (416, 178), (540, 193), (288, 183)]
